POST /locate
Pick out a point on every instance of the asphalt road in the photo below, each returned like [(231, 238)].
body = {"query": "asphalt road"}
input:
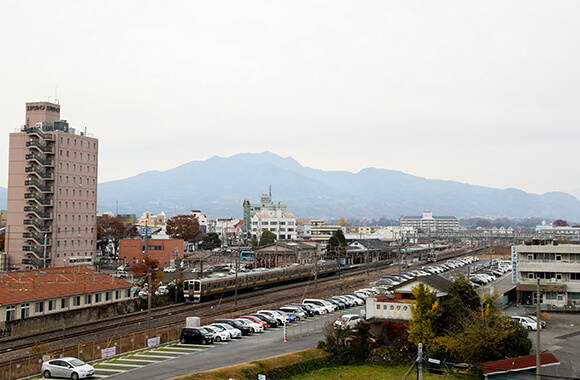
[(300, 336)]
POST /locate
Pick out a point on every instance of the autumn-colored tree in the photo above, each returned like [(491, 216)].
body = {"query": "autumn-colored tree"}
[(424, 327), (184, 227), (342, 222), (267, 237), (141, 272), (560, 223), (114, 229)]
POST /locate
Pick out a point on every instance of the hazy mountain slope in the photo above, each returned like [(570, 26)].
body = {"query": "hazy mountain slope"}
[(218, 187)]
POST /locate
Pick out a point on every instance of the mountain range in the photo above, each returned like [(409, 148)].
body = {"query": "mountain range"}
[(218, 186)]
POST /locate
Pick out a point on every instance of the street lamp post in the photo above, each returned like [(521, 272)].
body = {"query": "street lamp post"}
[(44, 253)]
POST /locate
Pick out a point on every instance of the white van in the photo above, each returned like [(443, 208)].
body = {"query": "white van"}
[(320, 303)]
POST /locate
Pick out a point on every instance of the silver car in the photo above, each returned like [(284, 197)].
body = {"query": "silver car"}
[(70, 368)]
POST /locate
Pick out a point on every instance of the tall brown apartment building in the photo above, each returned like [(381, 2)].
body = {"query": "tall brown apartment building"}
[(52, 192)]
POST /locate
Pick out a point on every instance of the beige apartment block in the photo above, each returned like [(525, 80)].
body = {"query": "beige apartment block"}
[(52, 192)]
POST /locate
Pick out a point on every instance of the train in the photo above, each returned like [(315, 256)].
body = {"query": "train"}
[(197, 290)]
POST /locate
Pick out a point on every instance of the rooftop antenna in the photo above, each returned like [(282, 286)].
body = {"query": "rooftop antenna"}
[(270, 192), (55, 94)]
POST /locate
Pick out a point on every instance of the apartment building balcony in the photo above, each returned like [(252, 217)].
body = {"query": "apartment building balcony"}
[(38, 212), (40, 159), (38, 185), (38, 225), (560, 266), (35, 131), (39, 172), (39, 146), (39, 198), (37, 238)]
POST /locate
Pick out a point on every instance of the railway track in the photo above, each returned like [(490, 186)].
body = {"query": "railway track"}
[(20, 346)]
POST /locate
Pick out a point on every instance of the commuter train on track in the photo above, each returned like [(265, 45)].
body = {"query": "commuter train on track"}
[(201, 289)]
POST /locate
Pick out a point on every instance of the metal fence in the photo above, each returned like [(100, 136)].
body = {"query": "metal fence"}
[(114, 344), (86, 350)]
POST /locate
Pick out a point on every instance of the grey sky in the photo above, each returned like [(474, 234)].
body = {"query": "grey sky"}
[(485, 93)]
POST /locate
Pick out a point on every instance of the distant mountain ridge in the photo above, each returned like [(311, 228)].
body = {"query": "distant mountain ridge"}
[(218, 186)]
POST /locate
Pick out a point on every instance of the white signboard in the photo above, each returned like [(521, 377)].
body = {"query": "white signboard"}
[(152, 342), (108, 352)]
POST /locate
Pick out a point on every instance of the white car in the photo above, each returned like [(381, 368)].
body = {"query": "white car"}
[(71, 368), (256, 327), (234, 332), (219, 333), (273, 314), (348, 321), (527, 322)]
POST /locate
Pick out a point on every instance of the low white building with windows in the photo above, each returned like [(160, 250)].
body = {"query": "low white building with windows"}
[(282, 224), (558, 268), (30, 300)]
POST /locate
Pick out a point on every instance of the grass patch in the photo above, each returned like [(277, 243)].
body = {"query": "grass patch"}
[(351, 372), (372, 372)]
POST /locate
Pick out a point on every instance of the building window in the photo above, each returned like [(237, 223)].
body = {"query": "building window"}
[(64, 302), (108, 296), (88, 299), (127, 293), (51, 305), (98, 297), (117, 294), (24, 311), (10, 313), (76, 301), (39, 307)]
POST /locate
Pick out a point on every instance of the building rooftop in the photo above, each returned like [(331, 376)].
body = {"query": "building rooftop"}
[(22, 286)]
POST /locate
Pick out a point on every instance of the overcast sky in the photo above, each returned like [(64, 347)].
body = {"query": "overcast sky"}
[(485, 93)]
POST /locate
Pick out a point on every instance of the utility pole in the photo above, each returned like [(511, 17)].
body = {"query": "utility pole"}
[(44, 253), (538, 358), (236, 281), (150, 289)]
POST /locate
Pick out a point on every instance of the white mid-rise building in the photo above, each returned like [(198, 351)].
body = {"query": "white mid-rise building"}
[(428, 222), (282, 224)]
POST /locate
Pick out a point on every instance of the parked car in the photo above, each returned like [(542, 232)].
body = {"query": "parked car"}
[(71, 368), (236, 323), (197, 335), (234, 332), (162, 290), (526, 322), (219, 334), (348, 321), (256, 327), (306, 308), (255, 319), (294, 310), (543, 323), (272, 322), (321, 303), (272, 314)]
